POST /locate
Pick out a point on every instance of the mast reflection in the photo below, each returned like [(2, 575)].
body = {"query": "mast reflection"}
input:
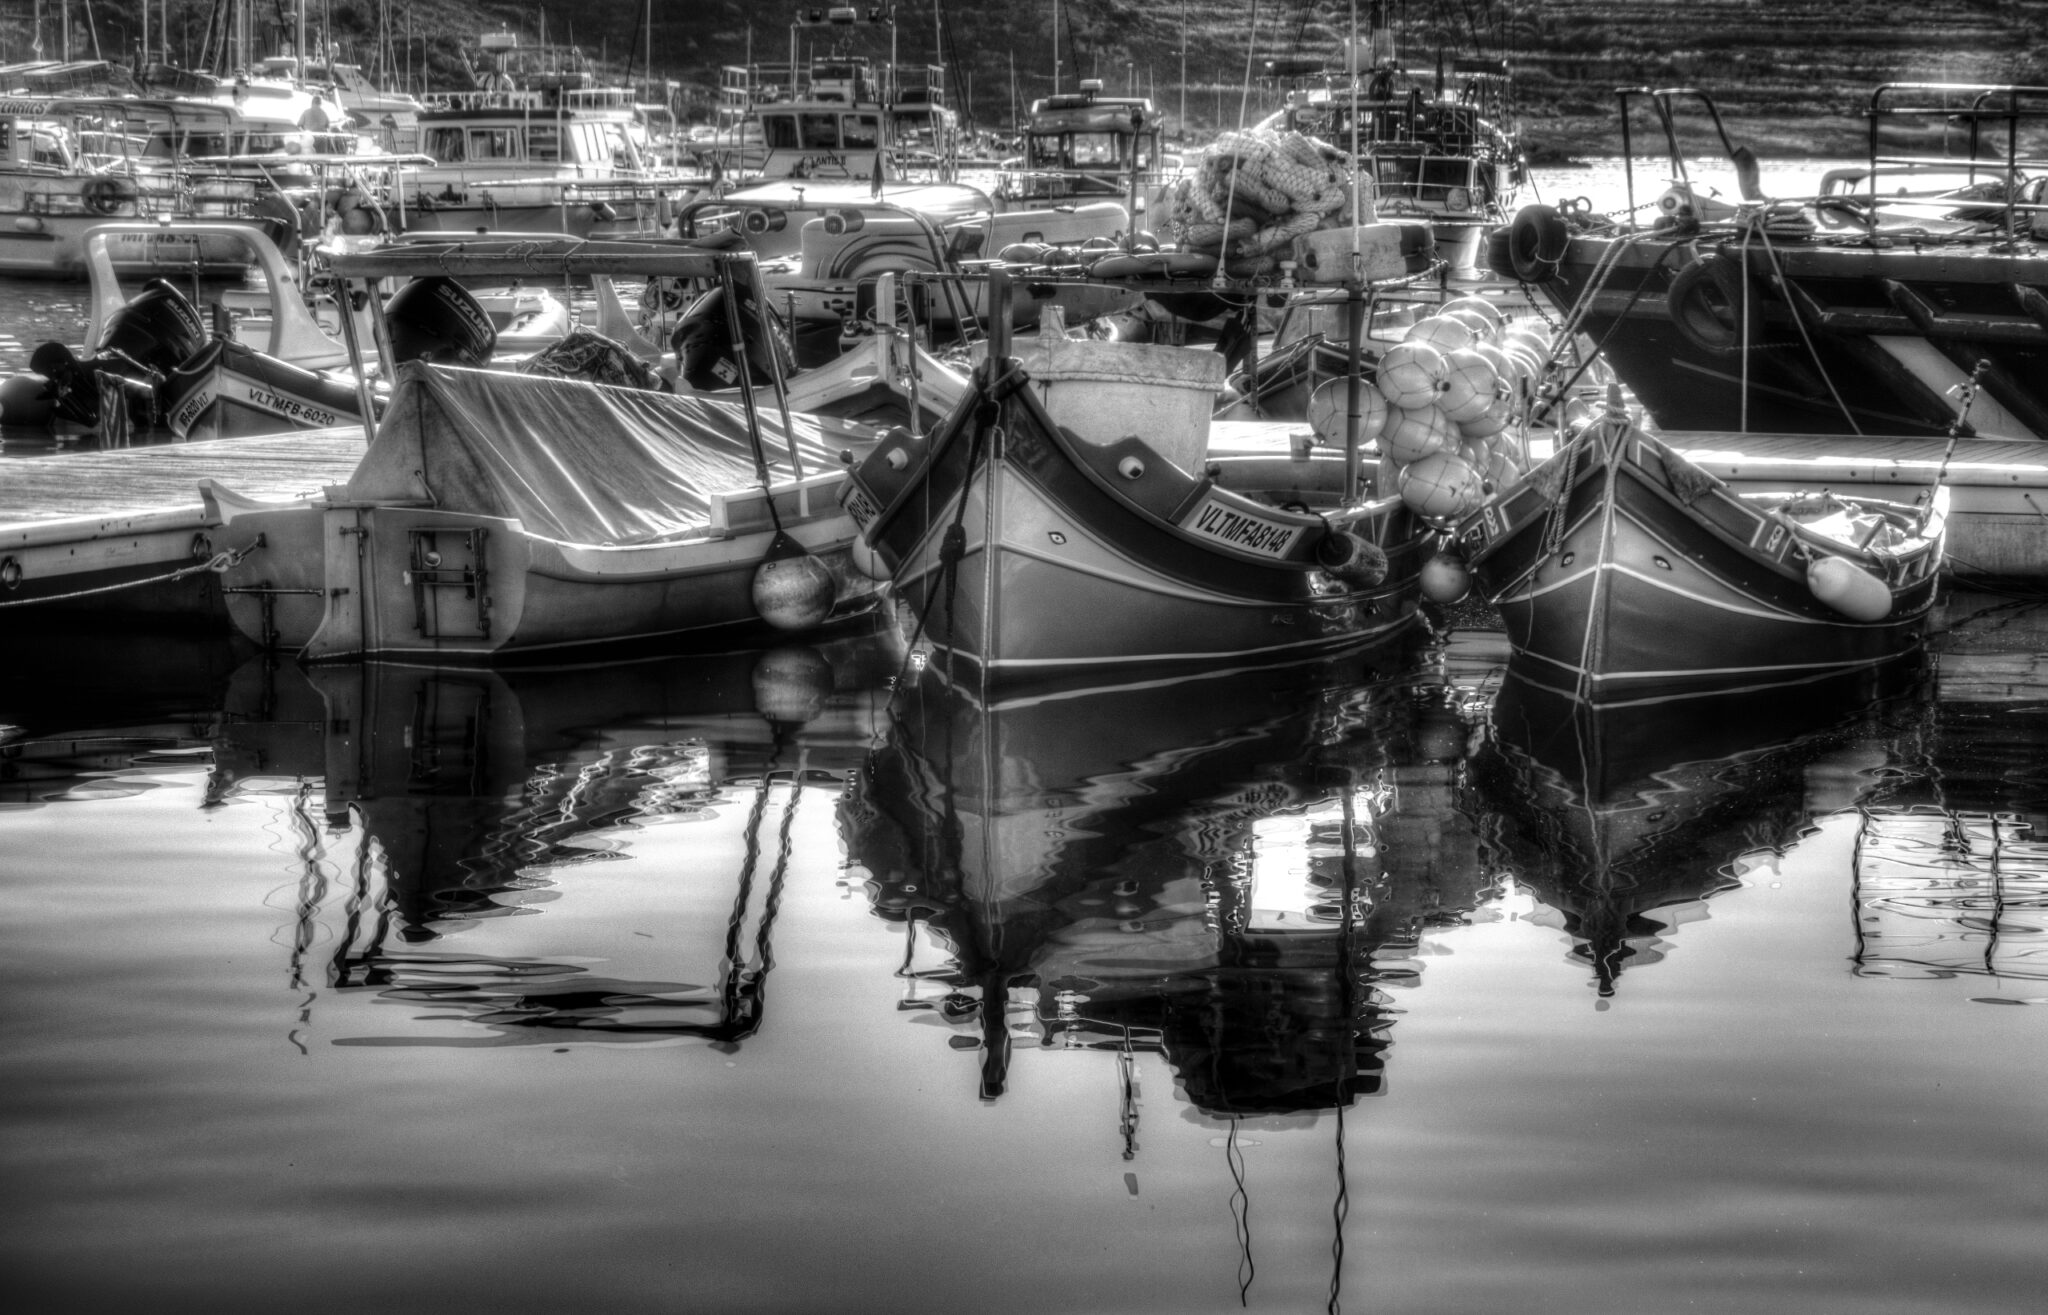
[(475, 796)]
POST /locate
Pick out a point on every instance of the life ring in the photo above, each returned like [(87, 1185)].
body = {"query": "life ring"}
[(106, 195), (1537, 241), (1704, 302)]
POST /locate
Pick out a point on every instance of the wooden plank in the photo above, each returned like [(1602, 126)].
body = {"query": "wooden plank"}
[(165, 476)]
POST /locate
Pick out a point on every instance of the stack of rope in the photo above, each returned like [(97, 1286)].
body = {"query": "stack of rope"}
[(1256, 192)]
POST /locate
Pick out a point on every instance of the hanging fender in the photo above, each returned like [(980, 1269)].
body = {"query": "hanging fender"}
[(1537, 240), (1705, 300)]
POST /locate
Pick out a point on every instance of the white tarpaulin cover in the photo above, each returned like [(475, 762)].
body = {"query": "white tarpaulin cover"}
[(577, 462)]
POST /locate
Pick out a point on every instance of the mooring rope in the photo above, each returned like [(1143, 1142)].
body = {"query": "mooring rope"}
[(219, 564)]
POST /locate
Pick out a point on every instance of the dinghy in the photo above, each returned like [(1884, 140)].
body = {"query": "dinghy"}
[(502, 516)]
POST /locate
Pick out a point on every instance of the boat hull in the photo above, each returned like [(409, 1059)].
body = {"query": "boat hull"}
[(1059, 573), (233, 391), (1626, 575), (52, 246), (1844, 340), (344, 582)]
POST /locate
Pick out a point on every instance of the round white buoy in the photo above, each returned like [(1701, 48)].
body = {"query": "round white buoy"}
[(1411, 374), (791, 684), (1446, 578), (1412, 434), (1489, 422), (1849, 589), (1470, 385), (1329, 411), (793, 593), (22, 401), (1444, 332), (1475, 306), (867, 561), (1441, 485)]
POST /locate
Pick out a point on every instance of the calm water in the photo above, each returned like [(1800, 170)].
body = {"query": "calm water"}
[(723, 984), (769, 982)]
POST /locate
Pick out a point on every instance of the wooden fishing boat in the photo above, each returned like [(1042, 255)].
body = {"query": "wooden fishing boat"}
[(1627, 574), (1051, 537), (499, 516)]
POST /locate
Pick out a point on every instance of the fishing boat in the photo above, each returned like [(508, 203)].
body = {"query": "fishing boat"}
[(507, 516), (538, 148), (1893, 299), (1066, 519), (1087, 145), (1437, 144), (52, 192), (821, 242), (1629, 575), (842, 113)]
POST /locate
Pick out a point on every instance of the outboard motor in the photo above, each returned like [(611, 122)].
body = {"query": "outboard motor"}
[(436, 320), (143, 342), (703, 342)]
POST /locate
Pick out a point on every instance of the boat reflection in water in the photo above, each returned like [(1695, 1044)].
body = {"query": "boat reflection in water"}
[(1227, 869), (1623, 819), (472, 796)]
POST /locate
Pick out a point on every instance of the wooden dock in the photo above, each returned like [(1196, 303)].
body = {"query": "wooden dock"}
[(1998, 509), (97, 531)]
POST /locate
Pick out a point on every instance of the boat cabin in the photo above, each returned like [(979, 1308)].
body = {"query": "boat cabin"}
[(498, 136), (1092, 133), (34, 142)]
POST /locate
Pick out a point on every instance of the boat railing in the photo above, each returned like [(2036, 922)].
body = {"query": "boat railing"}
[(486, 100)]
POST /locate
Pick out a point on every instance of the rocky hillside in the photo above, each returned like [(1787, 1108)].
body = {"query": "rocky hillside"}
[(1791, 74)]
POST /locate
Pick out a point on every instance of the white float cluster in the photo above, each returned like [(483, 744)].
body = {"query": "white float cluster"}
[(1446, 396)]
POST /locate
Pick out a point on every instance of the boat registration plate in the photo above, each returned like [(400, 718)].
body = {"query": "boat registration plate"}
[(859, 506), (1238, 527)]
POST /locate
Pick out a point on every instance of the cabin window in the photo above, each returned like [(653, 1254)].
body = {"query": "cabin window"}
[(818, 131), (543, 142), (1440, 174), (1096, 148), (858, 131), (781, 131), (446, 145), (618, 146), (494, 143)]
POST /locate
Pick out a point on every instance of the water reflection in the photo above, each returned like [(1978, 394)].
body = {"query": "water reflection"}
[(83, 716), (463, 798), (1228, 870)]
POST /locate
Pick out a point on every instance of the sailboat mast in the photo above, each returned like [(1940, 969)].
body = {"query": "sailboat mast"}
[(1055, 47)]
